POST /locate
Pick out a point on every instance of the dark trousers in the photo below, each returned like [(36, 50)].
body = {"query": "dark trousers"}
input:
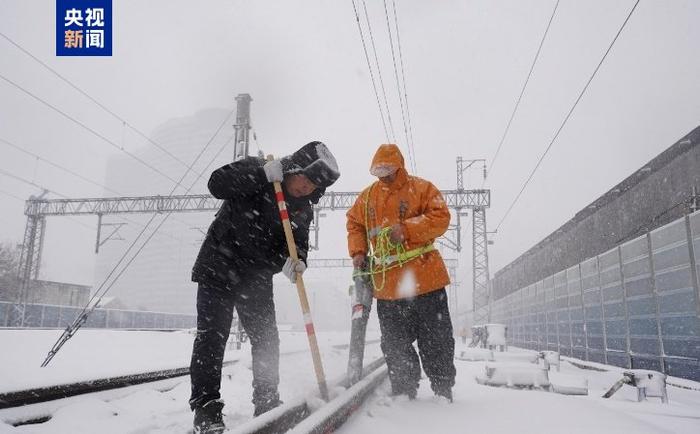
[(425, 318), (252, 298)]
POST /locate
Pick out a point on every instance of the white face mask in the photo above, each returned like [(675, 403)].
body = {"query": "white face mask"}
[(380, 171)]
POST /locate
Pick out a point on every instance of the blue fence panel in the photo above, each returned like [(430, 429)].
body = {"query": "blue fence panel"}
[(5, 314), (561, 297), (541, 310), (637, 305), (52, 316), (614, 308), (641, 304), (578, 336), (550, 308), (97, 319), (593, 310), (675, 287)]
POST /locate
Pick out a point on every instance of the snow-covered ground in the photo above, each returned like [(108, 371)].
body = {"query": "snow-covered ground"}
[(160, 407), (485, 409)]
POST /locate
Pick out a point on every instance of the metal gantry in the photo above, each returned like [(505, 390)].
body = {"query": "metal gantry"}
[(38, 208), (480, 268)]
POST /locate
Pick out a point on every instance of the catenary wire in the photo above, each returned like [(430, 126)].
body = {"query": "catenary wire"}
[(87, 128), (405, 92), (371, 73), (90, 306), (33, 184), (79, 176), (568, 115), (398, 88), (379, 72), (522, 91), (88, 96)]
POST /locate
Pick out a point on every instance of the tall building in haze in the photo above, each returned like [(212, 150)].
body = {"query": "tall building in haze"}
[(159, 279)]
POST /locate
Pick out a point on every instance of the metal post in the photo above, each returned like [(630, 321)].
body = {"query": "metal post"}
[(602, 313), (480, 265), (460, 174), (627, 314), (583, 312), (26, 269), (242, 126), (693, 263), (655, 293), (39, 250), (99, 233), (315, 228)]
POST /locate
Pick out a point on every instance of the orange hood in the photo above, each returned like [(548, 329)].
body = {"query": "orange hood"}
[(388, 155)]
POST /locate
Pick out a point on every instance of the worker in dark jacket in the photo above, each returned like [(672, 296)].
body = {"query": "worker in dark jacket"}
[(244, 247)]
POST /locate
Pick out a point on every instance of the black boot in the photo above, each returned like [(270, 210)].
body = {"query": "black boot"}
[(411, 392), (445, 392), (267, 405), (208, 419)]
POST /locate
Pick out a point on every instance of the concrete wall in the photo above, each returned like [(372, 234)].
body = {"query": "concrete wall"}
[(656, 194)]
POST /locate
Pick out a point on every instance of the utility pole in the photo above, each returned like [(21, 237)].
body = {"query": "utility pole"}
[(242, 126), (480, 259), (29, 260)]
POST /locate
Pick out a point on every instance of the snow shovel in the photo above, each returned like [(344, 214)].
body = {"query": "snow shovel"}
[(361, 302), (301, 290)]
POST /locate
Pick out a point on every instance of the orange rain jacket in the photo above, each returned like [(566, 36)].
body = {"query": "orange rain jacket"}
[(420, 208)]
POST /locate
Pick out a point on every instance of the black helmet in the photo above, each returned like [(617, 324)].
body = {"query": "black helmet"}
[(315, 161)]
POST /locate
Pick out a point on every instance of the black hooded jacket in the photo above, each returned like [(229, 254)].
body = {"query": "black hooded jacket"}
[(246, 234)]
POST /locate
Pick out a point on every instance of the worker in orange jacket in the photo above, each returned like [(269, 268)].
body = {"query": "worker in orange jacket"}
[(391, 230)]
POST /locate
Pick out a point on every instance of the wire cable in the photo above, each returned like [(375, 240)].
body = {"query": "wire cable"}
[(58, 166), (398, 88), (33, 184), (568, 115), (77, 175), (522, 91), (371, 73), (94, 300), (405, 92), (12, 195), (379, 72), (85, 94), (84, 126)]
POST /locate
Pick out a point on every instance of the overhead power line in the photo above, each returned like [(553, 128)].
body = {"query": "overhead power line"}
[(379, 72), (33, 184), (88, 96), (12, 195), (41, 187), (568, 115), (75, 174), (101, 291), (58, 166), (522, 91), (405, 92), (87, 128), (398, 89), (371, 73)]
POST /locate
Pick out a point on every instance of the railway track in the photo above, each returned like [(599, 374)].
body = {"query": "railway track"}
[(296, 414), (298, 417), (51, 393)]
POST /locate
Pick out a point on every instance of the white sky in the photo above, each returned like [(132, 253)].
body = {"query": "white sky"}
[(302, 61)]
